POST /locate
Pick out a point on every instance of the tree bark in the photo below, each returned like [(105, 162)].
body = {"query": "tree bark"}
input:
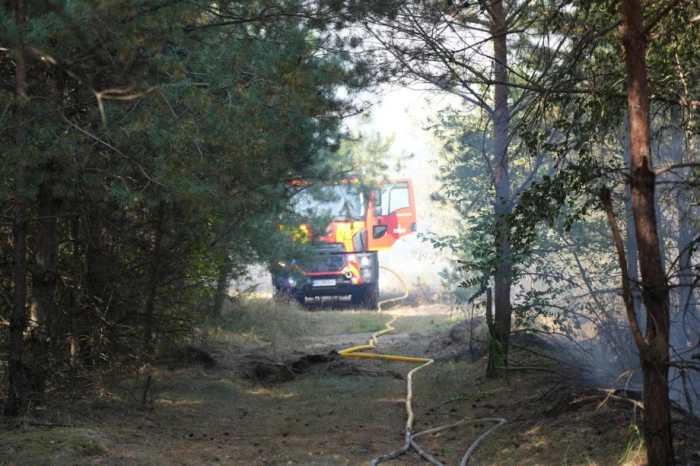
[(18, 319), (631, 247), (503, 278), (654, 351)]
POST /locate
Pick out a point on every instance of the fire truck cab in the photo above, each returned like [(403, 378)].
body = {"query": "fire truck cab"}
[(345, 261)]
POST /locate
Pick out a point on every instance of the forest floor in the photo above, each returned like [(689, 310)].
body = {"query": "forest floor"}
[(260, 402)]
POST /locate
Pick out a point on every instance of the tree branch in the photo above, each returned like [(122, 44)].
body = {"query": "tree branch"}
[(659, 16), (622, 258), (677, 165), (108, 145)]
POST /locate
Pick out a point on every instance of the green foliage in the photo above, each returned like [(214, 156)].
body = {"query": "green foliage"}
[(170, 132), (451, 281), (466, 174)]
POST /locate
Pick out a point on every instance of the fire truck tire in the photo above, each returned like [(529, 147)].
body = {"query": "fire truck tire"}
[(367, 298), (372, 298)]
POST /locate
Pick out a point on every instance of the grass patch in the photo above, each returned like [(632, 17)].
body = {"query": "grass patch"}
[(266, 320), (258, 321), (216, 416), (263, 320), (337, 322), (427, 324)]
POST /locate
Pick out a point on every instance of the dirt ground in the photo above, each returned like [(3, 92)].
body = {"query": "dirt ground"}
[(253, 406)]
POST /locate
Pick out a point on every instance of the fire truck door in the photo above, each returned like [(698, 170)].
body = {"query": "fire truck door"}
[(391, 214)]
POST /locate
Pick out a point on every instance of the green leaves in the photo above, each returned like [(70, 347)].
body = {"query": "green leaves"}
[(181, 121)]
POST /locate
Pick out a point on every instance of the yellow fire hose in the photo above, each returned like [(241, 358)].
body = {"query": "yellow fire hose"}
[(409, 436)]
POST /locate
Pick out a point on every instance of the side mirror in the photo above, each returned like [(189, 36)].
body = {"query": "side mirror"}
[(377, 198)]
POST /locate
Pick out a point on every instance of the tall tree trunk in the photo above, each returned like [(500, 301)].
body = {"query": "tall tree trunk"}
[(43, 284), (18, 318), (45, 271), (502, 205), (221, 292), (686, 296), (654, 349), (154, 278)]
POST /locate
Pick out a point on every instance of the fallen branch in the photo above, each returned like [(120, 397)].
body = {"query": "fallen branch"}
[(611, 394)]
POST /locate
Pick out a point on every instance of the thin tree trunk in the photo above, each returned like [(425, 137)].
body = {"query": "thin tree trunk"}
[(18, 318), (491, 370), (686, 295), (654, 350), (43, 285), (502, 205), (148, 325), (221, 292), (609, 331), (687, 301), (45, 271), (631, 247)]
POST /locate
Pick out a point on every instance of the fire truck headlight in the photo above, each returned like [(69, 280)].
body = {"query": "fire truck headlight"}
[(366, 275), (365, 262), (291, 281)]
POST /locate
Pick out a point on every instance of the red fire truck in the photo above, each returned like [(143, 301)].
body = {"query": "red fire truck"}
[(344, 262)]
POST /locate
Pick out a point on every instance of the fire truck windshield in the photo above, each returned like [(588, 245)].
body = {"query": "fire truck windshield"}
[(342, 202)]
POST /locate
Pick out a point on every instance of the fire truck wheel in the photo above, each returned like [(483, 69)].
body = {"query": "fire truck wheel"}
[(356, 298), (367, 297), (370, 297)]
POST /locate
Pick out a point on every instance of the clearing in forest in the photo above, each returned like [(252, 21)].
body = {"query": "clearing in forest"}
[(275, 394)]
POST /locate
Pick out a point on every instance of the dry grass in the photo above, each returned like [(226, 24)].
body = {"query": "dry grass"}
[(214, 416), (280, 328)]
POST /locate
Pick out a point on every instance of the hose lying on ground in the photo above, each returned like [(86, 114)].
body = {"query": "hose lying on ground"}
[(410, 436)]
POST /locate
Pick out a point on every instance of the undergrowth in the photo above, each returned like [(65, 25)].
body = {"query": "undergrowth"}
[(266, 320)]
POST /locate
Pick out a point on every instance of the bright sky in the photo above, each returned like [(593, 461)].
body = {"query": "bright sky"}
[(404, 113)]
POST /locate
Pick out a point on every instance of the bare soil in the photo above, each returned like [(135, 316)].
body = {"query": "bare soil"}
[(325, 410)]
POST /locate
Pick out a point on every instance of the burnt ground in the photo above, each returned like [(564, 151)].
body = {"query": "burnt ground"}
[(259, 403)]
